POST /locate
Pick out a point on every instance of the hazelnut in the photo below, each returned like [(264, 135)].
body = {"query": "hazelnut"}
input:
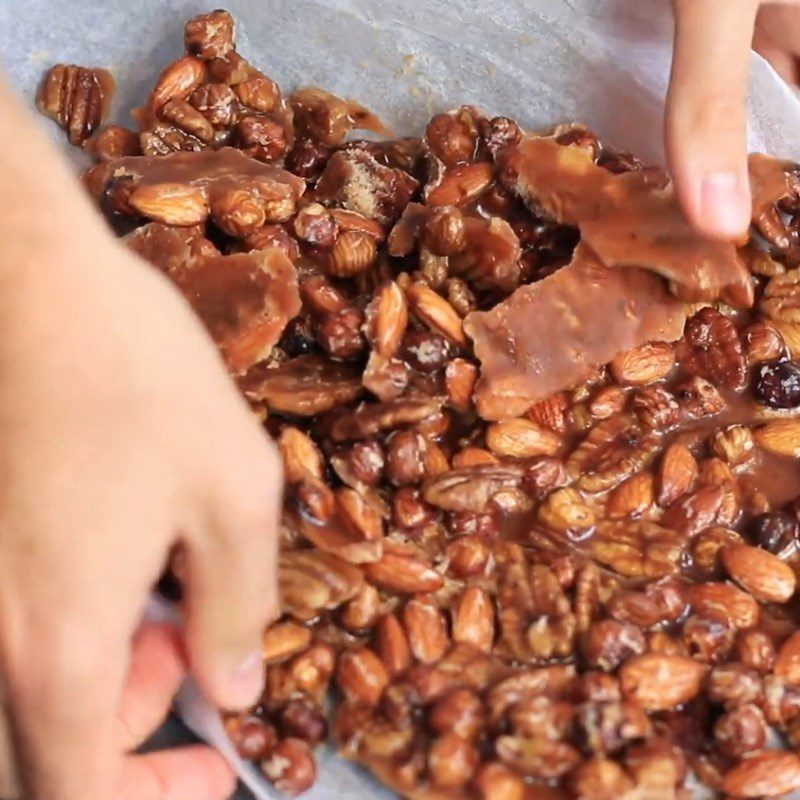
[(291, 767), (304, 720), (253, 738)]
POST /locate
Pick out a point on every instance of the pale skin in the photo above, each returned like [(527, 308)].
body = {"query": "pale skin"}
[(120, 435)]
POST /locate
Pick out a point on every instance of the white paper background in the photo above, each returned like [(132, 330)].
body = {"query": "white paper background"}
[(603, 62)]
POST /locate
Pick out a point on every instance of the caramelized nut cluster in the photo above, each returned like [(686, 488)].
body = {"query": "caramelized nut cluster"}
[(591, 597)]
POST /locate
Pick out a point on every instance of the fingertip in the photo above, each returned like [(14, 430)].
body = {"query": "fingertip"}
[(718, 203), (233, 687)]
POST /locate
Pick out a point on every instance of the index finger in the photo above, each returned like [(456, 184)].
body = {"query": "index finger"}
[(706, 121)]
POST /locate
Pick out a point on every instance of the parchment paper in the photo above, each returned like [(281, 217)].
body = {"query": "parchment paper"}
[(603, 62)]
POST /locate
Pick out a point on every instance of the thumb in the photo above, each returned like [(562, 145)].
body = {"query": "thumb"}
[(706, 121), (63, 688)]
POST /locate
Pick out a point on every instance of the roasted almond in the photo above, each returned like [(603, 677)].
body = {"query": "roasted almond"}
[(521, 438), (392, 644), (404, 574), (426, 628), (178, 81), (759, 572), (780, 436), (361, 676), (644, 364), (462, 184), (171, 203), (726, 603), (473, 619), (770, 774), (661, 682), (787, 662), (434, 311), (386, 319), (632, 497), (284, 640), (677, 474)]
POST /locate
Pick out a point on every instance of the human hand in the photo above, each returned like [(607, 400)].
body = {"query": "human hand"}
[(120, 435), (706, 121)]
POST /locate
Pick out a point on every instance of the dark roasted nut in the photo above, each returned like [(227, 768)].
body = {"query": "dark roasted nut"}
[(259, 93), (77, 98), (777, 532), (163, 139), (230, 70), (321, 116), (314, 225), (425, 351), (253, 738), (217, 103), (608, 643), (452, 761), (452, 137), (711, 349), (307, 158), (444, 231), (741, 731), (184, 116), (291, 767), (354, 252), (210, 35), (778, 384), (304, 720), (114, 141), (499, 133), (460, 712), (261, 138), (339, 334), (409, 510), (699, 397)]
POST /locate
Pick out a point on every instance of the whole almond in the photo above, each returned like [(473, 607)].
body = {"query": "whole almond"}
[(632, 497), (552, 412), (460, 377), (473, 457), (434, 311), (644, 364), (725, 602), (521, 438), (781, 436), (772, 773), (787, 663), (462, 184), (473, 619), (361, 676), (301, 456), (284, 640), (392, 644), (759, 572), (427, 630), (171, 203), (178, 81), (404, 574), (676, 474), (661, 682), (386, 319)]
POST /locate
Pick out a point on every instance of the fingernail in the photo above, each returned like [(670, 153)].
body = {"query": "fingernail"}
[(724, 205), (247, 681)]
